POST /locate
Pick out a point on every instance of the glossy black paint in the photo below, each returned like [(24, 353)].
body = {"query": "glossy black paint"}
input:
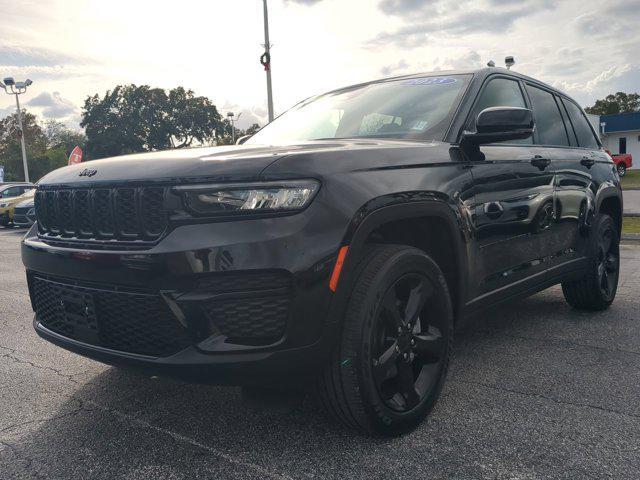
[(517, 217)]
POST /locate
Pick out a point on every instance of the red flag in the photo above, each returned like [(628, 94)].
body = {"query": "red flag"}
[(76, 156)]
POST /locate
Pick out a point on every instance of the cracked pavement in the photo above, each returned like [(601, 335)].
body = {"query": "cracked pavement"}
[(535, 390)]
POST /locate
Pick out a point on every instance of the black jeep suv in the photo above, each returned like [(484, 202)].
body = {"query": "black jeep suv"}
[(339, 246)]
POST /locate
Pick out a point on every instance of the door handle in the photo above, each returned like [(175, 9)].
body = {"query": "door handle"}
[(588, 161), (540, 162)]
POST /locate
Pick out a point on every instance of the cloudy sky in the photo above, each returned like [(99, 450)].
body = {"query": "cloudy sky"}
[(75, 48)]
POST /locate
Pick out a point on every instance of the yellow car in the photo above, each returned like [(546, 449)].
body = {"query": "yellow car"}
[(7, 205)]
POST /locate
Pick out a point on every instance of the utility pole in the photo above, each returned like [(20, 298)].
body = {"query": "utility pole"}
[(265, 60), (11, 87), (232, 120)]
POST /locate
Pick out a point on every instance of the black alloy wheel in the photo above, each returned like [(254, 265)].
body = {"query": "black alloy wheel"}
[(596, 289), (386, 372), (622, 169), (608, 262), (409, 349)]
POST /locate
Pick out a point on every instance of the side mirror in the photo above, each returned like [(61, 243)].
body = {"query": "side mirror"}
[(242, 139), (497, 124)]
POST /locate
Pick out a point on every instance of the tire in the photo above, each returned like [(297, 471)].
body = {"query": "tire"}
[(597, 289), (358, 385), (622, 169)]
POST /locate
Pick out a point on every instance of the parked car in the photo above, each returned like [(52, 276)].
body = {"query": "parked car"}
[(7, 206), (338, 247), (623, 161), (14, 189), (24, 214)]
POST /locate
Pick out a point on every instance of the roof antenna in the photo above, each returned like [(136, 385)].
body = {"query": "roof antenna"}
[(491, 63), (509, 62)]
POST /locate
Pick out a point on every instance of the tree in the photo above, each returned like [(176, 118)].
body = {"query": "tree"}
[(619, 102), (46, 148), (10, 150), (133, 118), (224, 135), (57, 134), (192, 118), (10, 131)]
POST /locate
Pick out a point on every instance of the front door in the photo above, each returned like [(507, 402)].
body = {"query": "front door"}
[(514, 210)]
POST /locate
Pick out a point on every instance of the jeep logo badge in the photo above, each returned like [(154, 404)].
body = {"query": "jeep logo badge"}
[(87, 173)]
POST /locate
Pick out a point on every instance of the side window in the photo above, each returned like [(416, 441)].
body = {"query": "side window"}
[(549, 125), (500, 92), (10, 192), (586, 138)]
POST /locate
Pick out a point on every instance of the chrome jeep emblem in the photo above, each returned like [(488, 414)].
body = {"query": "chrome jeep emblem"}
[(87, 173)]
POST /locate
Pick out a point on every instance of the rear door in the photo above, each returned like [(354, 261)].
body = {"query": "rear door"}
[(553, 141), (514, 208), (578, 178)]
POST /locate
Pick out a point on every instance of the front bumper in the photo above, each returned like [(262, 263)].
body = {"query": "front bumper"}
[(258, 368), (195, 270)]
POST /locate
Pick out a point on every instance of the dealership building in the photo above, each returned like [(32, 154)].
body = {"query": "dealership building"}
[(620, 133)]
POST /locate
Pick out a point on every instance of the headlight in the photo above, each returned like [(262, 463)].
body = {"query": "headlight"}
[(264, 197)]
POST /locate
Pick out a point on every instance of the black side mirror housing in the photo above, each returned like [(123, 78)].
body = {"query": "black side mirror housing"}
[(498, 124)]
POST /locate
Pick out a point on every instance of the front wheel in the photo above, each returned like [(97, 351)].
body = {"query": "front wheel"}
[(597, 289), (622, 169), (389, 367)]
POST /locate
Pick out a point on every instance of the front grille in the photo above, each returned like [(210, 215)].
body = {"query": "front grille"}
[(21, 210), (86, 215), (127, 321), (249, 307)]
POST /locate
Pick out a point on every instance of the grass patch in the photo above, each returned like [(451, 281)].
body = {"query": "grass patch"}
[(631, 179), (631, 225)]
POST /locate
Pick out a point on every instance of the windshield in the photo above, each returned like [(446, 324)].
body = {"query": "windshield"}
[(409, 108)]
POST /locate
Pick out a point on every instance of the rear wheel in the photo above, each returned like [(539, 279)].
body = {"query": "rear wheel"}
[(597, 289), (622, 169), (387, 372)]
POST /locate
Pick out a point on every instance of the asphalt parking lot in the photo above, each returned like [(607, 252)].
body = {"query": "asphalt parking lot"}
[(536, 390)]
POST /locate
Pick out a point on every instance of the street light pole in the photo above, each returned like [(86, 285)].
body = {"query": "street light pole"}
[(11, 87), (266, 61), (24, 149)]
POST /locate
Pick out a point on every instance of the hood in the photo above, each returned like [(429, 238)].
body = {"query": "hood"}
[(225, 164), (211, 163)]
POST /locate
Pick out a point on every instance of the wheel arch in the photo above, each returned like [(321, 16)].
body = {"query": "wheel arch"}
[(408, 221), (610, 202)]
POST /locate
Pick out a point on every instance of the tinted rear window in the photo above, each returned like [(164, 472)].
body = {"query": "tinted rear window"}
[(549, 124), (586, 138)]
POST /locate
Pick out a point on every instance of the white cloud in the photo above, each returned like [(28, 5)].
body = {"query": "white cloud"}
[(52, 105)]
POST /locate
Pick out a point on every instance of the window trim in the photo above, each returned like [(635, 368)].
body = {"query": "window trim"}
[(564, 99), (481, 90), (555, 99)]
